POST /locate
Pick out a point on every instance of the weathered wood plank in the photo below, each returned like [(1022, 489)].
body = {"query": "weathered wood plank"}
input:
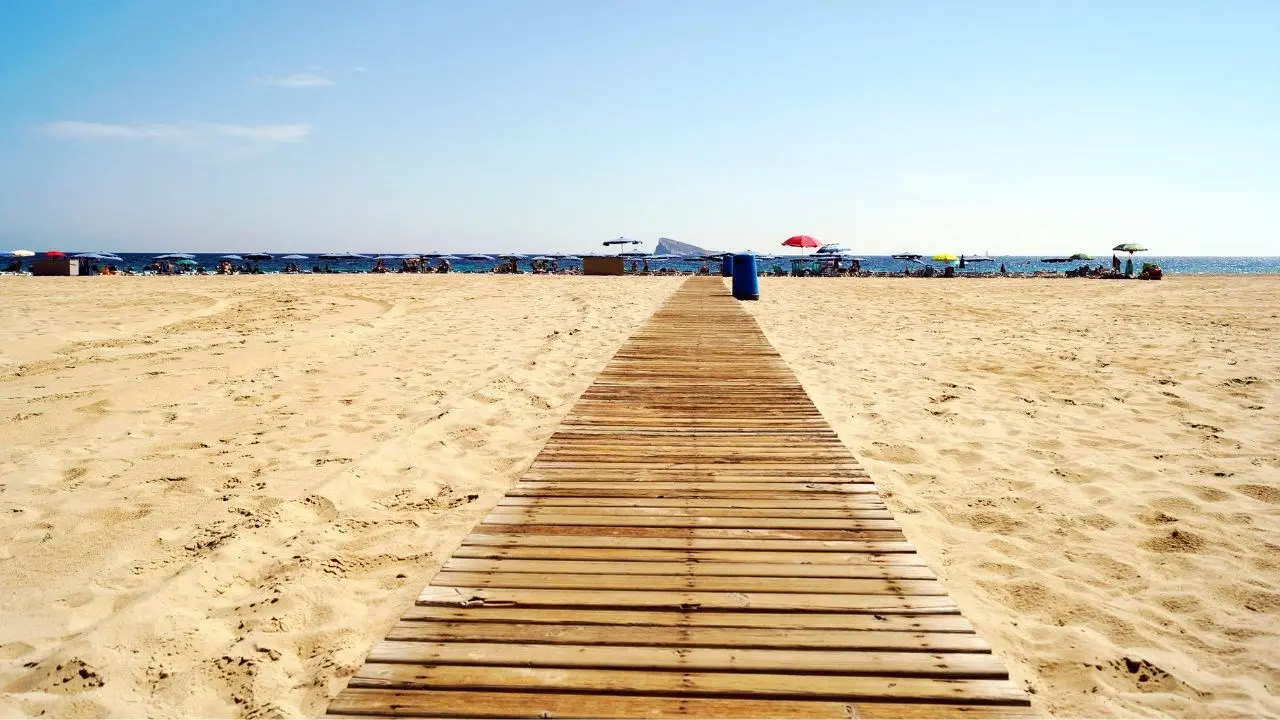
[(541, 510), (689, 568), (685, 636), (700, 659), (374, 702), (692, 533), (550, 517), (701, 583), (794, 559), (882, 688), (679, 617), (691, 543), (818, 503), (687, 600)]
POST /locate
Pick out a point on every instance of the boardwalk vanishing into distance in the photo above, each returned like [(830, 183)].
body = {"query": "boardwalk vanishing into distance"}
[(694, 540)]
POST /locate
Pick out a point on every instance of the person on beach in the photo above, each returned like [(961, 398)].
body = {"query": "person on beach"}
[(1115, 263)]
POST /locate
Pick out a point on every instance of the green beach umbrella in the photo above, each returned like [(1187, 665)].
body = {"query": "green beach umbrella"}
[(186, 261), (1080, 256), (1129, 248)]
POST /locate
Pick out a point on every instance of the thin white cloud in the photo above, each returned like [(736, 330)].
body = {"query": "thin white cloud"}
[(297, 80), (360, 68), (77, 130)]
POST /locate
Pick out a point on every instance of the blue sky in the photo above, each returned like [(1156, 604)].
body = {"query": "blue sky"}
[(552, 125)]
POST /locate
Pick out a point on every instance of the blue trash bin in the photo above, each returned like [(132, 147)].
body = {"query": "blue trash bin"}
[(726, 266), (746, 286)]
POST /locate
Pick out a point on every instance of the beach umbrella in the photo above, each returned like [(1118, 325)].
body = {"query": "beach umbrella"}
[(836, 249), (906, 256), (945, 257), (620, 241), (450, 258), (1129, 248), (232, 257), (517, 256), (1080, 256), (801, 241), (574, 258), (174, 256), (186, 261), (480, 258), (21, 253), (291, 257), (259, 256), (93, 256), (343, 256), (54, 253), (664, 256)]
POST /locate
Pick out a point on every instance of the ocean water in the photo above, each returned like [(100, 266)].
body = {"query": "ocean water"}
[(1013, 263)]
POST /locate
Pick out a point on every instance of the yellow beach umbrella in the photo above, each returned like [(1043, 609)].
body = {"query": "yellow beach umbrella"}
[(945, 257)]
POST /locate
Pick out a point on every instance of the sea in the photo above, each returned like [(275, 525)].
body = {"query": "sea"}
[(1012, 263)]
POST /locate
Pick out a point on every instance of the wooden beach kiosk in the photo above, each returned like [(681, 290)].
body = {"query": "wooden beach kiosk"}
[(694, 540)]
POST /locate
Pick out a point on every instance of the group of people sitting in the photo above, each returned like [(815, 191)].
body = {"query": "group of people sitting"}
[(225, 267), (411, 265), (539, 266)]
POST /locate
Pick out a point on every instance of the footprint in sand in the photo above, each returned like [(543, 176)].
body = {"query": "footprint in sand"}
[(1264, 493), (1175, 541)]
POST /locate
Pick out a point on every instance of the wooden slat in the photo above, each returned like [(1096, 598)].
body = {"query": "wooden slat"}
[(678, 617), (684, 636), (822, 503), (690, 599), (797, 559), (365, 702), (697, 583), (732, 533), (537, 517), (778, 685), (699, 659), (693, 540), (691, 569)]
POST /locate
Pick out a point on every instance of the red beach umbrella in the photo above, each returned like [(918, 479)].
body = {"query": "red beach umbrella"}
[(54, 253), (801, 241)]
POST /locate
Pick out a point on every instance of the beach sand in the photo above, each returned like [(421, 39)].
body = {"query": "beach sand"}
[(218, 493), (1091, 467)]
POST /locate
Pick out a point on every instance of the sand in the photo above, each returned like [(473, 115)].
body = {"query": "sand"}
[(218, 493), (1092, 468)]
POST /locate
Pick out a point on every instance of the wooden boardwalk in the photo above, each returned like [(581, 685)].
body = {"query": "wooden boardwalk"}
[(693, 541)]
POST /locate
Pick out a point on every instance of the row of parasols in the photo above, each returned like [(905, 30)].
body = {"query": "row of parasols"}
[(190, 259), (797, 241), (805, 241)]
